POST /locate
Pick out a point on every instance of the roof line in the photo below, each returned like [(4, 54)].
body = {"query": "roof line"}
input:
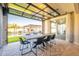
[(40, 9), (52, 8), (28, 9)]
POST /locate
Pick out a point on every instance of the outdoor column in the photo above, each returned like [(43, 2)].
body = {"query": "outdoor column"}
[(3, 25), (0, 25), (76, 29), (43, 26), (76, 24), (47, 26), (57, 32), (70, 27)]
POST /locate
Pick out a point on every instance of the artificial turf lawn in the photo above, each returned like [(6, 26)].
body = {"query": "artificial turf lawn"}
[(14, 39)]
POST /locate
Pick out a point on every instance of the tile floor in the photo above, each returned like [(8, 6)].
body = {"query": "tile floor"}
[(62, 48)]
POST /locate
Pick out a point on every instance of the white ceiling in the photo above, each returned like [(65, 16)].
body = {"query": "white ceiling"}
[(63, 7)]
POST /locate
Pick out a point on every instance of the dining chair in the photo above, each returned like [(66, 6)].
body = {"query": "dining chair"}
[(23, 45), (46, 40), (52, 39), (39, 42)]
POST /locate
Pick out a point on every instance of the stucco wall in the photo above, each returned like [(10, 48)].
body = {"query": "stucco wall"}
[(76, 28)]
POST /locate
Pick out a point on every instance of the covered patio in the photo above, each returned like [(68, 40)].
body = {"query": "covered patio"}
[(57, 18)]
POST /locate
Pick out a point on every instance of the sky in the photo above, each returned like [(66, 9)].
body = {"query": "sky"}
[(21, 20)]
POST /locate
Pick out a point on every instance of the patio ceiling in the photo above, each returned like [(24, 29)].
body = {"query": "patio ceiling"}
[(37, 11)]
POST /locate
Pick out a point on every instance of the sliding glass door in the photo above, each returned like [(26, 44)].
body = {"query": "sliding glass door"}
[(58, 27), (53, 27)]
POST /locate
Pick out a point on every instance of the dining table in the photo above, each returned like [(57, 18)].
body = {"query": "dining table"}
[(32, 38), (35, 36)]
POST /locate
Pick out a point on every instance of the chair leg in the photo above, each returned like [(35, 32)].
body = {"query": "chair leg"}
[(20, 47), (36, 51), (30, 46), (27, 45)]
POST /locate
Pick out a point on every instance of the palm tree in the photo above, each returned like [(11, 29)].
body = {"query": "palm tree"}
[(14, 26)]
